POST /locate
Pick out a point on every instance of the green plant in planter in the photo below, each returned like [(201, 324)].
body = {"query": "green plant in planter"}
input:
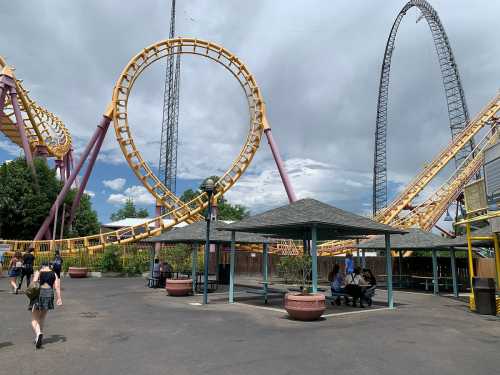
[(296, 270), (179, 258)]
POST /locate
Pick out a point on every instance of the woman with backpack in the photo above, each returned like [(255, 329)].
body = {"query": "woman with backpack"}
[(27, 270), (49, 286), (15, 267)]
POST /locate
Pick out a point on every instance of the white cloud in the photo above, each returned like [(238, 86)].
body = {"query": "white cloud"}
[(117, 184), (137, 193), (309, 178), (90, 193), (10, 148)]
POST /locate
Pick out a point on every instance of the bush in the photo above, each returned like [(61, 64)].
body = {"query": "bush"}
[(295, 269), (179, 258), (110, 261)]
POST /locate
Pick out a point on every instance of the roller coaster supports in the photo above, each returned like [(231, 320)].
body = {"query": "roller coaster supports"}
[(10, 85), (279, 163), (103, 129), (69, 182), (3, 91)]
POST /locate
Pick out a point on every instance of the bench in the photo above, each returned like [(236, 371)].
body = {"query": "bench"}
[(267, 293)]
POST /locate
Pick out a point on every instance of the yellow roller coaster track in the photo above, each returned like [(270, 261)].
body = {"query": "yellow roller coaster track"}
[(118, 111), (43, 128), (427, 213)]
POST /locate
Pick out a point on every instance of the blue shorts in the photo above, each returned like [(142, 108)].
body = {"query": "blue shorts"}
[(14, 272)]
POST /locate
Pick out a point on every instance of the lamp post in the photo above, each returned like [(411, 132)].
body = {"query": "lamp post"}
[(208, 187)]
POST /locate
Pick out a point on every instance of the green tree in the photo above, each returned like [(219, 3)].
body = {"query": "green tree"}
[(129, 210), (24, 205), (226, 210)]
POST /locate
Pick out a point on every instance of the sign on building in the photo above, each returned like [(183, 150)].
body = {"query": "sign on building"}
[(492, 176), (475, 197)]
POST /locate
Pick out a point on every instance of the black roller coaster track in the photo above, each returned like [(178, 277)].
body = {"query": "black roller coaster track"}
[(457, 107)]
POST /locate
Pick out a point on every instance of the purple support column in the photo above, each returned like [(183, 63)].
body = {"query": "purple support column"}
[(68, 163), (279, 164), (3, 91), (104, 125), (71, 179), (21, 129)]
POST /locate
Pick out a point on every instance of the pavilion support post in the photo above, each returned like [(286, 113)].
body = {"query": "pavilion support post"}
[(400, 268), (194, 263), (231, 267), (435, 280), (388, 265), (454, 272), (265, 263), (363, 258), (314, 258), (206, 256)]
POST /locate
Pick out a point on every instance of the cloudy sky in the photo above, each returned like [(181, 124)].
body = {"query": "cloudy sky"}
[(317, 63)]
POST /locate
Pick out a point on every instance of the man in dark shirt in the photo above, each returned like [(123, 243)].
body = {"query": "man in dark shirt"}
[(27, 270)]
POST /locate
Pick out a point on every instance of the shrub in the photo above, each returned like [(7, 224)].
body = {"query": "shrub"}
[(110, 261)]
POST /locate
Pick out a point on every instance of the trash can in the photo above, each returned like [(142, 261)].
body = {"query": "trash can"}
[(484, 295)]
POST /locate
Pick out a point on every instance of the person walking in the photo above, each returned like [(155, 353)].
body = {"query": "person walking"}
[(15, 267), (49, 283), (57, 264), (27, 270)]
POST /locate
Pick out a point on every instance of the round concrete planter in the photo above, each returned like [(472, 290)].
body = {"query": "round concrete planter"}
[(179, 287), (305, 307), (78, 272)]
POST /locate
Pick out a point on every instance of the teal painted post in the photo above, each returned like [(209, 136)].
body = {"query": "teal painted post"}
[(400, 268), (194, 262), (363, 258), (388, 271), (435, 272), (454, 272), (231, 267), (314, 256), (265, 261)]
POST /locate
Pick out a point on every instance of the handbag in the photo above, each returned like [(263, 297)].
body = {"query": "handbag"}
[(33, 292)]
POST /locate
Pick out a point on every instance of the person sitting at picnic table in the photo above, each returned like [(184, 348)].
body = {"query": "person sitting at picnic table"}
[(354, 282), (156, 268), (337, 283)]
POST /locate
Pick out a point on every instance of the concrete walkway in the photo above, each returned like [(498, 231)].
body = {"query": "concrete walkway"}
[(116, 326)]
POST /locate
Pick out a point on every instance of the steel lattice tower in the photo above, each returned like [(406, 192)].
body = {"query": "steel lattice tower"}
[(170, 120), (455, 98)]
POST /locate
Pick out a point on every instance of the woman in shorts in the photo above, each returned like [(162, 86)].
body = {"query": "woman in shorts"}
[(49, 285), (15, 267)]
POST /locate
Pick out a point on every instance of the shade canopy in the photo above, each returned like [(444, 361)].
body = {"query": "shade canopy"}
[(295, 220), (415, 239), (196, 232)]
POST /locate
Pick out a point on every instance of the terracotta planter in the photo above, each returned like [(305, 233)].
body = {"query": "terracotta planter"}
[(78, 272), (179, 287), (305, 306)]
